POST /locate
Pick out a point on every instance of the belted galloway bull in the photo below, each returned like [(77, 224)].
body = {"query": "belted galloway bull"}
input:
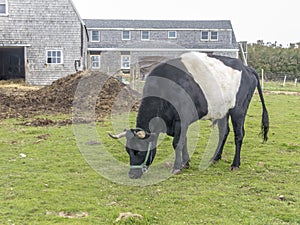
[(181, 91)]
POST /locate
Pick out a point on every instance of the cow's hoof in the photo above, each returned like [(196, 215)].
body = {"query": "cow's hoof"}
[(176, 171), (186, 166), (214, 161), (234, 168)]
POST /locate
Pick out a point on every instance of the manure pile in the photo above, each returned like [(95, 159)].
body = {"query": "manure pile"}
[(94, 90)]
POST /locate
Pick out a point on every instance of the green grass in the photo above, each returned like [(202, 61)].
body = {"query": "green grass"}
[(278, 86), (54, 180)]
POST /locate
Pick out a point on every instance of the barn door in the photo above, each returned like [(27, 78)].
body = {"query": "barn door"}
[(12, 63)]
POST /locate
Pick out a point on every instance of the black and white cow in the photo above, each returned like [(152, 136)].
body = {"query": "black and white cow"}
[(181, 91)]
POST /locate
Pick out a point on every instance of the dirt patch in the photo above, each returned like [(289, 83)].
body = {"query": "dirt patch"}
[(97, 91), (36, 122), (282, 93)]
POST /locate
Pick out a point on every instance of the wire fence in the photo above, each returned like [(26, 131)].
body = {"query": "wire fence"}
[(269, 81), (282, 82)]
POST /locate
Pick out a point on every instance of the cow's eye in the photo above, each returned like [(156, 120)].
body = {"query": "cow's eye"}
[(135, 152)]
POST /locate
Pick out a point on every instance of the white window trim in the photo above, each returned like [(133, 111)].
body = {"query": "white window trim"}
[(211, 35), (144, 39), (170, 37), (6, 8), (202, 39), (126, 39), (99, 60), (61, 56), (98, 40), (122, 61)]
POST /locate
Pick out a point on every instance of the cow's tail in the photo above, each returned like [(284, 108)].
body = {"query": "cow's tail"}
[(265, 115)]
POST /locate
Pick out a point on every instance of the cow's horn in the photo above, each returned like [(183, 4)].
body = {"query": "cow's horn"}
[(117, 136), (141, 134)]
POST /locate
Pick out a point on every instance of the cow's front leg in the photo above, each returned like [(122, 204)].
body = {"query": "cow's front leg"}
[(178, 162), (185, 156), (178, 145)]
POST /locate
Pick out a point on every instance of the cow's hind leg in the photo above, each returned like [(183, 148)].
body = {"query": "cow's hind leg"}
[(238, 120), (223, 134)]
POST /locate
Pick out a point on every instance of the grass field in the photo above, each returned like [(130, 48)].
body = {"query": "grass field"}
[(279, 86), (54, 184)]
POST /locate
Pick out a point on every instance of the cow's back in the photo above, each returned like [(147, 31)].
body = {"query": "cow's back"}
[(219, 82)]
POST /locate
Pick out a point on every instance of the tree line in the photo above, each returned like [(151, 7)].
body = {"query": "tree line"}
[(275, 61)]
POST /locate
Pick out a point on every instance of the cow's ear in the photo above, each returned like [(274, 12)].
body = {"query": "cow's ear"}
[(130, 134)]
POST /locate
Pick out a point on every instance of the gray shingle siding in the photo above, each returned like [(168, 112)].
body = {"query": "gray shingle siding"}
[(188, 35), (40, 26), (188, 39)]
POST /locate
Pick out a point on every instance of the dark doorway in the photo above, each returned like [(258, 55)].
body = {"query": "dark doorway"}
[(12, 63)]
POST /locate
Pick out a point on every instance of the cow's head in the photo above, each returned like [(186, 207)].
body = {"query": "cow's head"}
[(141, 148)]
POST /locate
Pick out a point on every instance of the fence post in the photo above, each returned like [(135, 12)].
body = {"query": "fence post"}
[(296, 80), (131, 84), (138, 78), (284, 80), (262, 79)]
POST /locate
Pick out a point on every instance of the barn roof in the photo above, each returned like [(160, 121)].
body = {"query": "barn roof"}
[(159, 24)]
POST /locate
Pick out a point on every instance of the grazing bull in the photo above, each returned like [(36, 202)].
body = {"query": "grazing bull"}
[(214, 88)]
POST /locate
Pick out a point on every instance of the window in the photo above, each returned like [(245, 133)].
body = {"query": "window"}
[(125, 62), (95, 35), (3, 7), (54, 57), (209, 36), (126, 35), (145, 35), (204, 35), (214, 35), (95, 61), (172, 34)]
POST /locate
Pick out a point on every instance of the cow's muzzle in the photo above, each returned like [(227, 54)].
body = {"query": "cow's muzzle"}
[(137, 172)]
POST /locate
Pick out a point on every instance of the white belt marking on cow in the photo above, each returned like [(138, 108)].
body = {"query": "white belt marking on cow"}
[(219, 83)]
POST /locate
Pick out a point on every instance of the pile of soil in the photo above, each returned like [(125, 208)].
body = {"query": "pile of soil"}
[(80, 92)]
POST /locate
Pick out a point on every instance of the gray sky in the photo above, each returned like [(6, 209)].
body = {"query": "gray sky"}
[(252, 20)]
